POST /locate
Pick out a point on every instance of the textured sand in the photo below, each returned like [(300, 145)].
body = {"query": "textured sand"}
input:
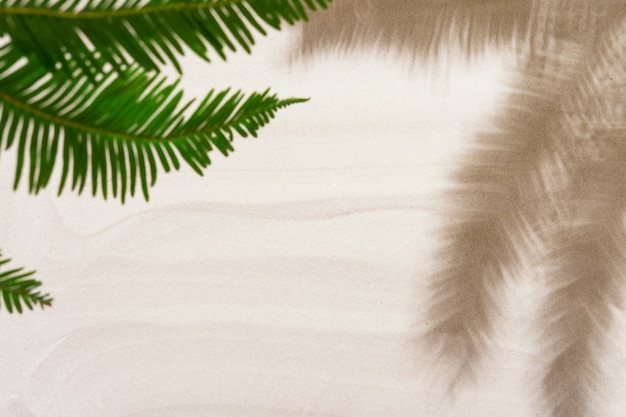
[(286, 282)]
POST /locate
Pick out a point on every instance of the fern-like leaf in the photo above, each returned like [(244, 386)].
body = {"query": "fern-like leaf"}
[(18, 289), (119, 130), (149, 33)]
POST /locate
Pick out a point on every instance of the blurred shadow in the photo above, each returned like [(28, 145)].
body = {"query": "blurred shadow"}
[(547, 183), (415, 28)]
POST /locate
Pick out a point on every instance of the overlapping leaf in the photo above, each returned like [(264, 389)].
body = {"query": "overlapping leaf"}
[(149, 33), (18, 287), (117, 132)]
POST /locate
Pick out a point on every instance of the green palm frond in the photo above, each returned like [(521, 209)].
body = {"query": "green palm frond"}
[(121, 129), (149, 33), (17, 288)]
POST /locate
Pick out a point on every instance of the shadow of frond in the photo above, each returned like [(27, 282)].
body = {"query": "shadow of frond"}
[(547, 183), (421, 29)]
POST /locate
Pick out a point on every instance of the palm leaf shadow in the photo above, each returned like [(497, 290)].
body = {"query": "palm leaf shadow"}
[(498, 194), (539, 176), (587, 251), (418, 28)]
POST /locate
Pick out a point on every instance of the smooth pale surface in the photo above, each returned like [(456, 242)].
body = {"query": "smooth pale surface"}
[(286, 282)]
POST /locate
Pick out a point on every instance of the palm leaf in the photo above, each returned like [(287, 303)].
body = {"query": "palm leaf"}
[(418, 28), (120, 130), (149, 33), (17, 288)]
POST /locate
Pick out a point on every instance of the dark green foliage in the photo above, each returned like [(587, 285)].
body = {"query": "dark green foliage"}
[(17, 288), (123, 128), (149, 33), (80, 88)]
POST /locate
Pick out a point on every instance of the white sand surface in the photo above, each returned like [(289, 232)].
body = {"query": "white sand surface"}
[(285, 282)]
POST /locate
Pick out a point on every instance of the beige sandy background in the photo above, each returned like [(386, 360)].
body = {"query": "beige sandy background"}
[(286, 282)]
